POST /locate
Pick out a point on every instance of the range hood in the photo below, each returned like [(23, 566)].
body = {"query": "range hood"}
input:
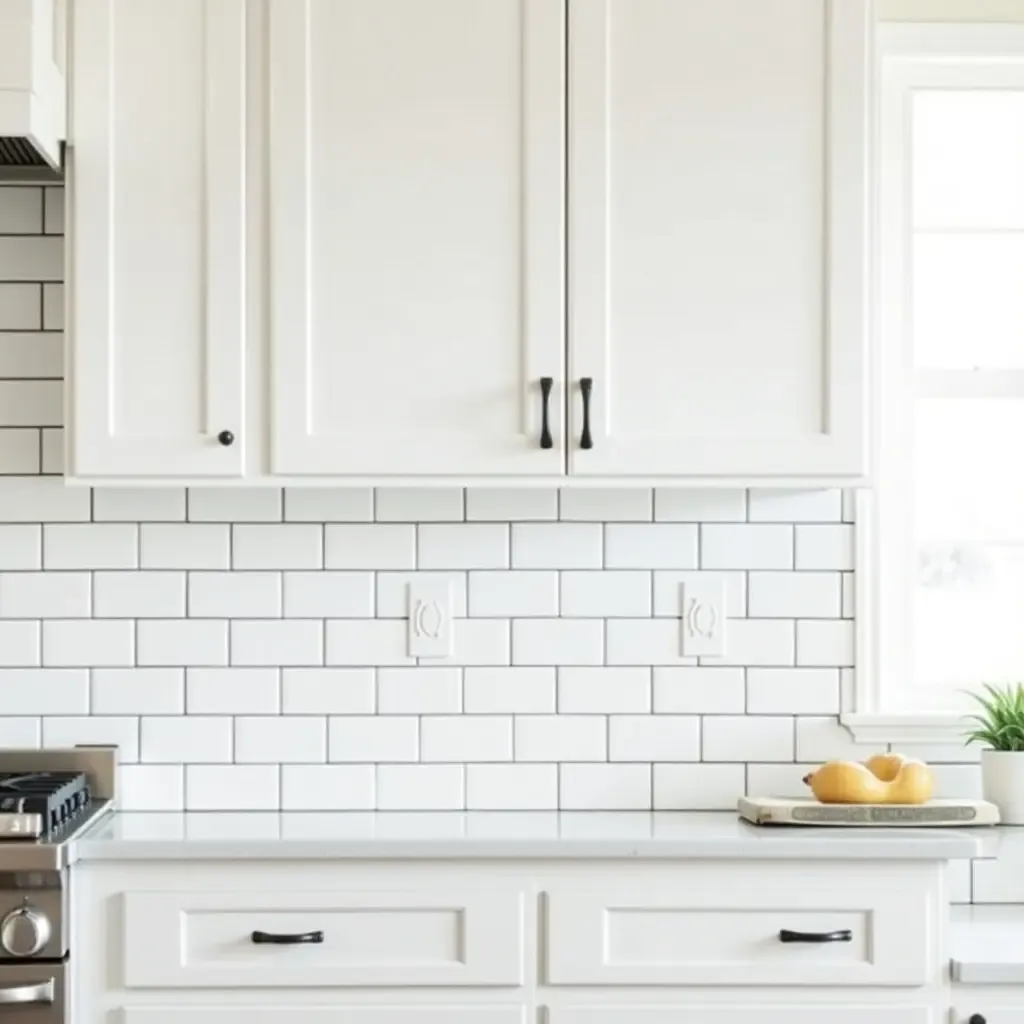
[(32, 88)]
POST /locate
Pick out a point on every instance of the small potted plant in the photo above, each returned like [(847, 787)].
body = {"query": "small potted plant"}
[(1000, 727)]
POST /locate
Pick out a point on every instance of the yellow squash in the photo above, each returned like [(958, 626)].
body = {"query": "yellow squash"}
[(884, 779)]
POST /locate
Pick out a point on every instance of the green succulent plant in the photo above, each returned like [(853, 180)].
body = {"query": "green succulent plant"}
[(1000, 724)]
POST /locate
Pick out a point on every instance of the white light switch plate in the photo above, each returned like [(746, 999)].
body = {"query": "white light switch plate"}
[(704, 618), (430, 619)]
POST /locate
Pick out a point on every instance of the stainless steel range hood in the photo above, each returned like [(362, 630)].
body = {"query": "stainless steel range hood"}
[(32, 88)]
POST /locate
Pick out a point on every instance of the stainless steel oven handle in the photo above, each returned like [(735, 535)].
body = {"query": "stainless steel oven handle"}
[(38, 993)]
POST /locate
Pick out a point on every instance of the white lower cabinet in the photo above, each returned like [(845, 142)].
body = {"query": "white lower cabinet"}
[(263, 1014), (803, 1013)]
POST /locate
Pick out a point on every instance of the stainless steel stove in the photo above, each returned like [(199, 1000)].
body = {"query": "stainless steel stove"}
[(47, 799)]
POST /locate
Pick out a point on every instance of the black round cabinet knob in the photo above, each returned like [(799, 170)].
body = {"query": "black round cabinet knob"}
[(226, 438), (976, 1018)]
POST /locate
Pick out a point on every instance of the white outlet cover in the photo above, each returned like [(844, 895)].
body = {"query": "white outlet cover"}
[(430, 619), (704, 618)]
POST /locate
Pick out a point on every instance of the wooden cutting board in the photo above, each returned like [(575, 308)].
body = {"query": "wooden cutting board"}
[(775, 810)]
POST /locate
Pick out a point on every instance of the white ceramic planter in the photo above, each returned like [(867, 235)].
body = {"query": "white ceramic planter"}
[(1002, 782)]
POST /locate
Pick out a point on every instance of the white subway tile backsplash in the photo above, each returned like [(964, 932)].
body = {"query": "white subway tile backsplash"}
[(138, 691), (511, 787), (37, 499), (557, 546), (599, 505), (795, 595), (645, 642), (393, 591), (20, 643), (138, 595), (826, 643), (794, 691), (36, 403), (478, 642), (789, 506), (139, 504), (186, 642), (19, 451), (174, 740), (697, 787), (385, 546), (557, 642), (466, 738), (21, 547), (45, 595), (98, 643), (419, 691), (561, 738), (91, 546), (47, 691), (763, 642), (602, 595), (699, 505), (21, 732), (500, 691), (421, 787), (31, 258), (328, 504), (380, 738), (235, 505), (285, 642), (281, 546), (21, 211), (328, 595), (30, 354), (151, 787), (824, 547), (233, 691), (52, 447), (778, 779), (185, 546), (122, 733), (746, 547), (232, 787), (328, 691), (604, 691), (53, 307), (647, 738), (367, 642), (328, 787), (280, 740), (651, 546), (220, 595), (499, 594), (698, 691), (419, 505), (748, 738), (464, 546), (606, 787), (824, 739), (669, 586), (516, 505)]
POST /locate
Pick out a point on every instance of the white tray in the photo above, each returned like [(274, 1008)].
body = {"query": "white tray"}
[(776, 810)]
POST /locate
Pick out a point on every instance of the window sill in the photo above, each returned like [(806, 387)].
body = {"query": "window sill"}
[(905, 727)]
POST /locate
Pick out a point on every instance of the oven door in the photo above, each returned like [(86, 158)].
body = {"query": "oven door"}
[(32, 993)]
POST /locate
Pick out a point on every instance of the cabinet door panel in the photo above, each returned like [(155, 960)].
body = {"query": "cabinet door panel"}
[(157, 228), (717, 222), (417, 154), (257, 1012), (759, 1014)]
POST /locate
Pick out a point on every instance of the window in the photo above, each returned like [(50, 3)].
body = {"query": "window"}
[(942, 539)]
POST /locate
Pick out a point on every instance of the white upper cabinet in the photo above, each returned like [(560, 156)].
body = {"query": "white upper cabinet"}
[(156, 231), (717, 236), (416, 236)]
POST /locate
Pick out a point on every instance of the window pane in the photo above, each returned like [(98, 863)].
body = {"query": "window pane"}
[(968, 155), (969, 300)]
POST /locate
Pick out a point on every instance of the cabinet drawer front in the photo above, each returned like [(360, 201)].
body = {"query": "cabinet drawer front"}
[(262, 1014), (205, 939), (802, 1014), (724, 930), (991, 1010)]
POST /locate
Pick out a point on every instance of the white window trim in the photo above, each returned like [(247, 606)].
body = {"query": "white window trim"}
[(901, 49)]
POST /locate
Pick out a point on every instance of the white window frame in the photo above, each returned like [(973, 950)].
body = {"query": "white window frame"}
[(908, 57)]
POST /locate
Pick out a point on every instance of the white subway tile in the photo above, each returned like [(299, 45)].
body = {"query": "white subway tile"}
[(19, 643), (605, 787), (957, 781), (700, 505), (792, 595), (789, 506), (21, 547), (419, 505), (232, 787), (138, 595), (849, 595), (558, 642), (185, 546), (591, 594), (40, 499), (31, 258), (698, 691), (235, 505), (21, 210), (777, 779), (561, 738), (45, 595), (650, 546), (419, 691), (825, 547), (31, 403), (606, 505), (151, 787), (92, 730), (46, 691), (373, 738), (850, 499), (646, 738), (19, 307), (174, 740), (461, 738), (328, 787), (511, 787), (697, 787), (513, 594), (668, 591), (280, 546), (376, 546), (53, 447), (824, 739), (748, 738), (280, 739), (91, 546), (26, 354), (645, 642), (328, 504), (138, 691), (420, 787), (604, 691), (393, 591), (793, 691), (225, 595), (367, 642), (139, 504), (21, 732), (324, 595), (19, 450), (825, 643), (54, 210), (557, 546), (511, 505), (497, 691), (285, 642), (463, 546), (88, 642), (182, 642), (938, 753), (328, 691), (233, 691), (478, 642), (763, 642), (53, 307), (746, 547)]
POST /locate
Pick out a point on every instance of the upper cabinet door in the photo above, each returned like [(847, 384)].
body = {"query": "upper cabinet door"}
[(416, 236), (157, 233), (717, 236)]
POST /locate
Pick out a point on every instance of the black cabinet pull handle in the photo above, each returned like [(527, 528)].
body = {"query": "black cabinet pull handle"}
[(297, 939), (976, 1018), (226, 438), (841, 936), (586, 390), (546, 385)]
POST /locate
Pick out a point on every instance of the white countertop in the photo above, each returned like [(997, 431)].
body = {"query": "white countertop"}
[(660, 835), (987, 945)]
